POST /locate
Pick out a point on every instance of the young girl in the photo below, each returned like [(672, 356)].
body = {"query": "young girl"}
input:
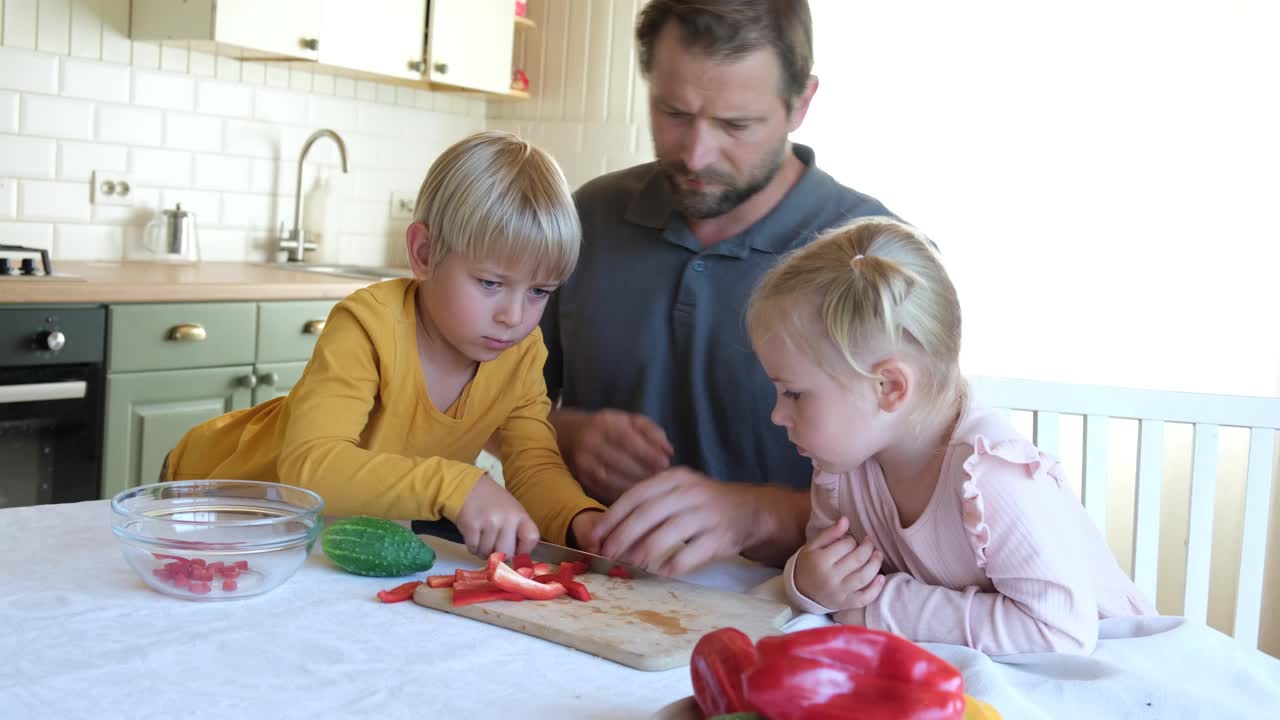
[(411, 377), (932, 518)]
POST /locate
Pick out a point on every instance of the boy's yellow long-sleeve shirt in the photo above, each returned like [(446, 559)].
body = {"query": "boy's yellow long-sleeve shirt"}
[(360, 430)]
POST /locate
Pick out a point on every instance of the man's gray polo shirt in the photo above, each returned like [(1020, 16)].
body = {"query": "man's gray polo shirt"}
[(651, 322)]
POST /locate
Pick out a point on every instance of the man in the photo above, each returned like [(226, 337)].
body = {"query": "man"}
[(665, 409)]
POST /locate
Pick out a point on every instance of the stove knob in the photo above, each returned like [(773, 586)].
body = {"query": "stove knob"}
[(52, 340), (5, 269), (28, 266)]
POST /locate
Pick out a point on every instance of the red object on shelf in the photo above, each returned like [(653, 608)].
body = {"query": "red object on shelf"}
[(522, 8), (519, 81)]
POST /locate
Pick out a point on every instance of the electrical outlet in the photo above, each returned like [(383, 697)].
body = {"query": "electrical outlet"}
[(402, 206), (111, 187)]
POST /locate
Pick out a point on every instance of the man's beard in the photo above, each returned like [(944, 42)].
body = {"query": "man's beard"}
[(702, 205)]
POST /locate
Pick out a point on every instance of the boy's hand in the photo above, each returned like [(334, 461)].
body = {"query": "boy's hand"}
[(835, 572), (580, 529), (493, 521)]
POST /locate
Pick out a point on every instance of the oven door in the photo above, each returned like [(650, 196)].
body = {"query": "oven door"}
[(50, 439)]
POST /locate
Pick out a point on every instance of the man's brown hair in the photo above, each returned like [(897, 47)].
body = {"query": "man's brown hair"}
[(730, 29)]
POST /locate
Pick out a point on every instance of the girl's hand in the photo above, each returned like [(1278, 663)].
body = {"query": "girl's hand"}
[(834, 571), (493, 521)]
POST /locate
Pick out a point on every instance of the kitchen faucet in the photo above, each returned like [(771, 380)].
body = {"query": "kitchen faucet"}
[(294, 245)]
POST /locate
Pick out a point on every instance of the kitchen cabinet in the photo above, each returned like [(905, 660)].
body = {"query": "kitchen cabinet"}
[(375, 36), (172, 366), (281, 28), (469, 44)]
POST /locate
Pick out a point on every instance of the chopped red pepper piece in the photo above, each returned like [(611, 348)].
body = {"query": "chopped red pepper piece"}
[(525, 571), (399, 593), (469, 597), (618, 571), (573, 567), (719, 664), (541, 568), (573, 588), (439, 581), (511, 581), (521, 560), (230, 585)]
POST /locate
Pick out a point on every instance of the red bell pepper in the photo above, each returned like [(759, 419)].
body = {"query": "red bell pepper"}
[(573, 588), (399, 593), (521, 560), (469, 597), (720, 661), (825, 673), (439, 581), (541, 568), (511, 581)]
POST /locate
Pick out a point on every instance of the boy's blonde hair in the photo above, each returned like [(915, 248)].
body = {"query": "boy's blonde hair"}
[(493, 196), (871, 288)]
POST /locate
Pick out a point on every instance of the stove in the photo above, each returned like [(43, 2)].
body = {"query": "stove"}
[(28, 263)]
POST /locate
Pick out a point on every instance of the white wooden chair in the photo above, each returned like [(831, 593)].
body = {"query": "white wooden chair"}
[(1048, 402)]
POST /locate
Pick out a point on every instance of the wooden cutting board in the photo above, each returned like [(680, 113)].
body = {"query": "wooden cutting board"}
[(648, 624)]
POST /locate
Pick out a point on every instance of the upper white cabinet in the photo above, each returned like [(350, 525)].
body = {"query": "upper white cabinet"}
[(469, 44), (375, 36), (463, 44), (288, 28)]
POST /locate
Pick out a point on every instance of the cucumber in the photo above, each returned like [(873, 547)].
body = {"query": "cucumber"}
[(375, 547)]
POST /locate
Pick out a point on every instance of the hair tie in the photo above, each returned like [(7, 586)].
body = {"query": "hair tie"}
[(855, 259)]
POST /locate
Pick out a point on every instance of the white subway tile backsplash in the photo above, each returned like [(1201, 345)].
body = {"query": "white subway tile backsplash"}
[(222, 172), (53, 26), (277, 76), (57, 117), (266, 176), (88, 242), (78, 160), (275, 106), (366, 90), (8, 112), (253, 73), (27, 157), (202, 64), (386, 93), (130, 125), (207, 206), (171, 168), (146, 55), (174, 58), (218, 245), (8, 199), (322, 84), (28, 71), (45, 200), (163, 90), (192, 132), (344, 87), (256, 139), (95, 80), (250, 211), (214, 97), (28, 234), (116, 46), (334, 112), (404, 96), (228, 69), (19, 23), (300, 79)]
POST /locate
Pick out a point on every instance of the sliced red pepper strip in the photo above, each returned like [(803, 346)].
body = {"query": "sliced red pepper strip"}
[(870, 652), (511, 581), (469, 597), (525, 571), (439, 581), (573, 588), (573, 567), (521, 560), (718, 668), (541, 568), (399, 593), (474, 585)]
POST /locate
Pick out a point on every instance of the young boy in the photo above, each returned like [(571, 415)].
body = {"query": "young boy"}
[(411, 377)]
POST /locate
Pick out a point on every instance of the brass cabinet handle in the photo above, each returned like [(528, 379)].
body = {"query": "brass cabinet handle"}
[(269, 379), (250, 381), (187, 332), (442, 68), (417, 66), (310, 43), (313, 327)]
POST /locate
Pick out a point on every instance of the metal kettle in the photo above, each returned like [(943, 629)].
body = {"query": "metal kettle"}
[(172, 236)]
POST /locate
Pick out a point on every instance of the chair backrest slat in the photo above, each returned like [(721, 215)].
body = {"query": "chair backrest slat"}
[(1096, 429), (1204, 476), (1048, 432), (1146, 510), (1257, 506)]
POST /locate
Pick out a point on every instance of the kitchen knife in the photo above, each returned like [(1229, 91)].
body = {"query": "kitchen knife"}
[(552, 553)]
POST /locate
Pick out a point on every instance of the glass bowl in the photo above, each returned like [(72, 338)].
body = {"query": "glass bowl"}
[(216, 539)]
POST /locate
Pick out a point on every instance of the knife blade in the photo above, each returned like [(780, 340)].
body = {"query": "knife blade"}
[(552, 553)]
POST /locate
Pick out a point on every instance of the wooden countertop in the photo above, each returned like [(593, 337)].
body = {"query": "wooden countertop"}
[(117, 282)]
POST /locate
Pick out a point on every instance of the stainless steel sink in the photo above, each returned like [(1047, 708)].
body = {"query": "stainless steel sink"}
[(363, 272)]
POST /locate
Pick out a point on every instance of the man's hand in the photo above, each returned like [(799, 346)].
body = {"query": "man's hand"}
[(609, 451), (679, 520), (491, 520), (834, 571)]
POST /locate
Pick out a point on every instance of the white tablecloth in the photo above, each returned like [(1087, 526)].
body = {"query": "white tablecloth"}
[(81, 636)]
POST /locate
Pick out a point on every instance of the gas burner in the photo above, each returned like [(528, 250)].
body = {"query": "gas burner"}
[(28, 263)]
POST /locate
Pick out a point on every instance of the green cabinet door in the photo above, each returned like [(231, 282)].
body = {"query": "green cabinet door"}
[(276, 379), (149, 412)]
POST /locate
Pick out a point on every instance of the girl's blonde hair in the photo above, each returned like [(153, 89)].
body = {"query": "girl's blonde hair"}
[(492, 196), (871, 288)]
